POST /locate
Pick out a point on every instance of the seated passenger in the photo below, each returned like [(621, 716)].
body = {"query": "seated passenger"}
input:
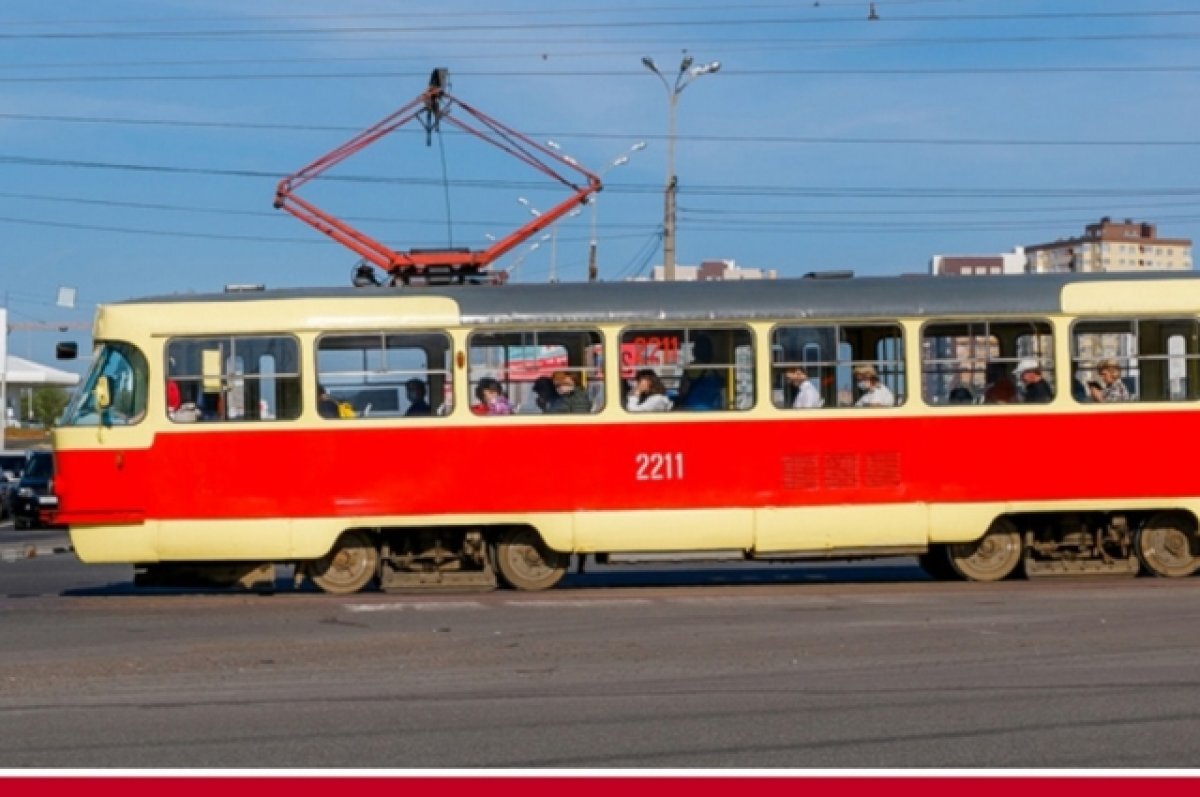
[(874, 392), (569, 398), (492, 400), (960, 395), (1034, 388), (999, 388), (1110, 387), (702, 387), (414, 391), (327, 406), (544, 393), (648, 394), (807, 397), (174, 397)]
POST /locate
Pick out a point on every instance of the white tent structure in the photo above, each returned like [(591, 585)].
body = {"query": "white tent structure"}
[(19, 372)]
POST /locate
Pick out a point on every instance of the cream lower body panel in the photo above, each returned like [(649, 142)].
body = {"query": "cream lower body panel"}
[(821, 529)]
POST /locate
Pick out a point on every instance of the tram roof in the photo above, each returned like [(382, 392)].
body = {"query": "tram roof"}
[(859, 297)]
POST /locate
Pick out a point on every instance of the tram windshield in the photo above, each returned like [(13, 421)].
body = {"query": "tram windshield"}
[(124, 368)]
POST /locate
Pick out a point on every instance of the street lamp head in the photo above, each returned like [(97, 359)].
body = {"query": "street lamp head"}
[(686, 63), (714, 66), (648, 62)]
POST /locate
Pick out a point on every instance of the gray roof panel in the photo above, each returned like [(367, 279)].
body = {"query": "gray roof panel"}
[(866, 297)]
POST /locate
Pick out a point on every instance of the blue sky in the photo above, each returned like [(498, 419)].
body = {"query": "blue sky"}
[(141, 140)]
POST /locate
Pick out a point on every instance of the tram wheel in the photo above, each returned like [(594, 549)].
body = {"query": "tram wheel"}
[(349, 566), (526, 563), (936, 564), (1168, 546), (993, 557)]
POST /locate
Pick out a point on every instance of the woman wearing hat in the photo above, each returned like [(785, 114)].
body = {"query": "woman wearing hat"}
[(874, 392)]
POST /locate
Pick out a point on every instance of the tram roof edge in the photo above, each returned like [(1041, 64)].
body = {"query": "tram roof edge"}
[(916, 295)]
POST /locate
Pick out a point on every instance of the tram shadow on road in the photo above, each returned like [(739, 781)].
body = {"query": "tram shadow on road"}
[(749, 574), (593, 577)]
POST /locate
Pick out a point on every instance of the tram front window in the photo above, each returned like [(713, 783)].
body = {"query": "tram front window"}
[(124, 368)]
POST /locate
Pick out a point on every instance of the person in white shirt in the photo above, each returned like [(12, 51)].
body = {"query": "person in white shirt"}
[(807, 396), (874, 392), (648, 394)]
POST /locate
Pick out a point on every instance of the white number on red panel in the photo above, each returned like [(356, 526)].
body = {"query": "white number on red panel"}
[(659, 466)]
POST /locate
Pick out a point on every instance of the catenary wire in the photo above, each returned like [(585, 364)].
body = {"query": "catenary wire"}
[(592, 135)]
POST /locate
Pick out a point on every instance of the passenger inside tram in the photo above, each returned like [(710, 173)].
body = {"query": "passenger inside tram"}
[(1110, 388), (568, 397), (702, 387), (1034, 387), (874, 392), (1000, 388), (649, 394), (960, 395), (327, 406), (492, 400), (414, 391), (799, 392)]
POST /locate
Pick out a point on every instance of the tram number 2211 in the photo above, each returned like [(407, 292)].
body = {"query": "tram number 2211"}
[(659, 466)]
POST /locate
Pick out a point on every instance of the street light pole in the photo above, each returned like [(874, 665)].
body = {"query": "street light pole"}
[(687, 73)]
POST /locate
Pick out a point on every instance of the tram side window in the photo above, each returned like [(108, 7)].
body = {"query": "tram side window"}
[(837, 365), (1141, 359), (553, 371), (974, 362), (699, 368), (384, 375), (234, 378)]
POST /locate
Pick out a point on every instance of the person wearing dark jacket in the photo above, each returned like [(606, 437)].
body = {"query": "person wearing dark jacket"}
[(1034, 388), (569, 397)]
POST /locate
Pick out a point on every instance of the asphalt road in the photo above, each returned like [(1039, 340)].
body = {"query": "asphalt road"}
[(817, 666)]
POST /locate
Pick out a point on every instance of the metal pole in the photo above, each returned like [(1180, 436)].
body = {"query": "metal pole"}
[(669, 192), (4, 372), (593, 268)]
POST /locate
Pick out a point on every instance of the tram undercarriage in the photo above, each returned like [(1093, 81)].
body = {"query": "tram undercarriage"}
[(1036, 545), (1039, 545)]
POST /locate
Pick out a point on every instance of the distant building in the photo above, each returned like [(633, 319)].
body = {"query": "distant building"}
[(978, 265), (713, 270), (1112, 246)]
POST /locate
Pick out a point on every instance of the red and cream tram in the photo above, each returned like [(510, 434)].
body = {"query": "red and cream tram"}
[(203, 435)]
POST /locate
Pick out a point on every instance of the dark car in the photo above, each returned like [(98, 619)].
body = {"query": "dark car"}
[(11, 466), (32, 494)]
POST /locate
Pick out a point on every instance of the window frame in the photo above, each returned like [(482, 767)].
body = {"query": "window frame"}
[(298, 376), (585, 375), (1137, 397), (1054, 380), (901, 396), (383, 334), (689, 327)]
